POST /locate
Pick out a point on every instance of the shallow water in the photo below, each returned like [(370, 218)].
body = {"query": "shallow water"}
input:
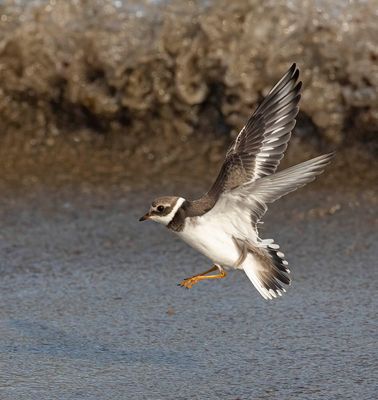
[(91, 310), (158, 71)]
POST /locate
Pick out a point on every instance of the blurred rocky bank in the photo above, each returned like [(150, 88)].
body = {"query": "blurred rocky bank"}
[(103, 89)]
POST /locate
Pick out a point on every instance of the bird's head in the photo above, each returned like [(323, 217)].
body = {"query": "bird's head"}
[(163, 209)]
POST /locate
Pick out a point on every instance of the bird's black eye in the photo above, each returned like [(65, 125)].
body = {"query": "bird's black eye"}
[(160, 208)]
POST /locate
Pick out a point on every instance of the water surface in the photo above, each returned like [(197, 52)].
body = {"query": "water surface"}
[(91, 310)]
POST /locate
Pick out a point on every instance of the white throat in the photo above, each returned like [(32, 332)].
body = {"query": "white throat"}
[(166, 219)]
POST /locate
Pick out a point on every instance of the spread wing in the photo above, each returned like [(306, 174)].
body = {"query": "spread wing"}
[(260, 145), (255, 196)]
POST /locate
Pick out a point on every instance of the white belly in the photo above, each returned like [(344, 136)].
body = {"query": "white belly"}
[(212, 235)]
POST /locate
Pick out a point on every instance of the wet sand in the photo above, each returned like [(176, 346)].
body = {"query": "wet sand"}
[(91, 310)]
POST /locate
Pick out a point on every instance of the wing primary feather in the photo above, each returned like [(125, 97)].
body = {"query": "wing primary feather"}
[(260, 145), (273, 118)]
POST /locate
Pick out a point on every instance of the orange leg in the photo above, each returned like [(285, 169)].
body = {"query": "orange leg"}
[(189, 282)]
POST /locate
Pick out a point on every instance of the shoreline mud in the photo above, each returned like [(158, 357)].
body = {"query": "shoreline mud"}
[(161, 73)]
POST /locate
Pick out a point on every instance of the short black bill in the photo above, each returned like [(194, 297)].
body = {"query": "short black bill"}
[(145, 217)]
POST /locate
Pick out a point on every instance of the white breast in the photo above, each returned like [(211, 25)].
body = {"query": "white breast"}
[(212, 234)]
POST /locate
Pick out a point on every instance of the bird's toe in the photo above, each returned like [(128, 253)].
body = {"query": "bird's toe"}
[(188, 282)]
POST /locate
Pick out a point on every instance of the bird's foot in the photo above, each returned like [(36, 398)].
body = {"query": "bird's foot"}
[(189, 282)]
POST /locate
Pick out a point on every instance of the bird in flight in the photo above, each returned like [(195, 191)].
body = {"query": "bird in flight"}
[(223, 223)]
